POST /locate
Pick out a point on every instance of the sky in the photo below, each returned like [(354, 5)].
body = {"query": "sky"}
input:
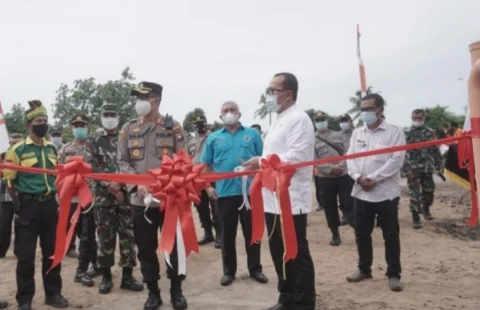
[(210, 51)]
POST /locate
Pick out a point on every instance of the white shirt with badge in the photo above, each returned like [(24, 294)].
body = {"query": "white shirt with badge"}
[(384, 169), (292, 138)]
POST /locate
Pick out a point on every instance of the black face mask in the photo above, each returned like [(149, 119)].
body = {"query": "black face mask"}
[(40, 130), (201, 129)]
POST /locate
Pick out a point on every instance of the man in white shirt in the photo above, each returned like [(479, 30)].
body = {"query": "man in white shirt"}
[(292, 138), (376, 190)]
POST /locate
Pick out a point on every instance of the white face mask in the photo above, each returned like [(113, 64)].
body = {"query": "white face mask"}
[(230, 119), (272, 104), (56, 140), (417, 123), (143, 107), (110, 123), (345, 126)]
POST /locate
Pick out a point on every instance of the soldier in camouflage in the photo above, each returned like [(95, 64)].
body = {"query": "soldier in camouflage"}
[(195, 148), (113, 215), (420, 164)]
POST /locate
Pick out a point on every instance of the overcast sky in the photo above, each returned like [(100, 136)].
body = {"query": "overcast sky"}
[(209, 51)]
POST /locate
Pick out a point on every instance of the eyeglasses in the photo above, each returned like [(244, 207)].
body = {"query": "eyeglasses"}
[(369, 109), (273, 91)]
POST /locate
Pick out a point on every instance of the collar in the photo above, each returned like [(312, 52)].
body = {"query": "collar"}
[(288, 111), (382, 126), (239, 127), (30, 141)]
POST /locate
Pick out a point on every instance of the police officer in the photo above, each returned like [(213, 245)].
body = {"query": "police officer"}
[(6, 207), (333, 178), (195, 148), (142, 143), (36, 209), (56, 137), (112, 213), (419, 166), (85, 229)]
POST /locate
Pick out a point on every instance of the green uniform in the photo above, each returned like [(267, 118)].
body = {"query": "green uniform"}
[(422, 163)]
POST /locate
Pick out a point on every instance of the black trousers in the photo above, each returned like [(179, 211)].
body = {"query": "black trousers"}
[(364, 220), (297, 290), (207, 218), (6, 219), (146, 238), (333, 191), (85, 230), (36, 219), (318, 191), (229, 215), (78, 227)]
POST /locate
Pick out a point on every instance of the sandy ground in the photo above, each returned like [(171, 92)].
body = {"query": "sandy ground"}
[(441, 270)]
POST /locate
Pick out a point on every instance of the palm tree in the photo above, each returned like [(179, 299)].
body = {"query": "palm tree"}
[(356, 102), (262, 112)]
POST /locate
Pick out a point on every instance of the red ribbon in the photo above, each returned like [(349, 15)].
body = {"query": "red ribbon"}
[(178, 185), (70, 183), (465, 161), (274, 176)]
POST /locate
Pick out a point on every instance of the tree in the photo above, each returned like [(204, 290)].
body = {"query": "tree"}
[(87, 97), (15, 119), (356, 100), (216, 126), (437, 116), (262, 112), (333, 121), (188, 125)]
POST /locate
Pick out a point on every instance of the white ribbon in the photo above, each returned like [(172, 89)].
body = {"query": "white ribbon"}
[(246, 201), (147, 200)]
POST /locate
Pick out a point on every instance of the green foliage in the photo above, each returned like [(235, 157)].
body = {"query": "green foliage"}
[(333, 121), (188, 125), (262, 112), (356, 100), (437, 116), (216, 126), (87, 97), (15, 120)]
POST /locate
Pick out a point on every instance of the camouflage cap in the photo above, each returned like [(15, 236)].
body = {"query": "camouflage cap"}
[(146, 88), (36, 109), (109, 107), (79, 118)]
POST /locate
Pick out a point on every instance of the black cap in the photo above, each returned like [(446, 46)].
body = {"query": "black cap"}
[(146, 88), (55, 129), (345, 117), (200, 119), (79, 118)]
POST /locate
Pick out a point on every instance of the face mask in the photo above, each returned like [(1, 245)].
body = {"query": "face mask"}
[(40, 130), (417, 123), (110, 123), (230, 119), (56, 140), (80, 133), (344, 126), (201, 129), (321, 125), (369, 118), (143, 107), (272, 104)]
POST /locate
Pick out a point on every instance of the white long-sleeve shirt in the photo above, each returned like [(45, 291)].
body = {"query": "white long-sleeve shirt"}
[(384, 169), (292, 138)]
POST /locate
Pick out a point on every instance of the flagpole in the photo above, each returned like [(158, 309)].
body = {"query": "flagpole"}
[(361, 67)]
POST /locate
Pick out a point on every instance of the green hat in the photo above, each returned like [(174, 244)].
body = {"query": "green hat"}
[(36, 109), (109, 107)]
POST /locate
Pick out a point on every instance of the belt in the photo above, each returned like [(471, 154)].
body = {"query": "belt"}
[(37, 197)]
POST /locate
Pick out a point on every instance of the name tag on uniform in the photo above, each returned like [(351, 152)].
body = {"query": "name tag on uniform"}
[(136, 129)]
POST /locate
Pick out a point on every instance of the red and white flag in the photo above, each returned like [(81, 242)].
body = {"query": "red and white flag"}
[(363, 79), (3, 132)]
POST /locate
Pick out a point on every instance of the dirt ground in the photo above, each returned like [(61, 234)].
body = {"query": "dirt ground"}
[(441, 270)]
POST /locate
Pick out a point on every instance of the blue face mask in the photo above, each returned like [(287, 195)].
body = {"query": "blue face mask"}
[(369, 117), (80, 133), (321, 125)]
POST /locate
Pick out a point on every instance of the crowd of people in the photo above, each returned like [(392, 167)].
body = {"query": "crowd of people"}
[(365, 190)]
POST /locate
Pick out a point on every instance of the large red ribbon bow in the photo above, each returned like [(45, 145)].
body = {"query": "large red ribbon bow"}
[(178, 185), (70, 183), (274, 176)]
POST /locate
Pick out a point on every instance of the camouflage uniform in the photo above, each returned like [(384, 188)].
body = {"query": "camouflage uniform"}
[(421, 164), (111, 218)]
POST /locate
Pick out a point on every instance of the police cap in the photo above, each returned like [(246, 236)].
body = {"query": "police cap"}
[(200, 119), (320, 115), (146, 88), (345, 118), (79, 119), (109, 108), (55, 129)]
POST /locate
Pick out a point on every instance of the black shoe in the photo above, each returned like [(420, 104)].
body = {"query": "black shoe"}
[(129, 283), (358, 276), (24, 307), (343, 221), (417, 222), (279, 306), (319, 208), (83, 278), (72, 254), (106, 285), (94, 271), (154, 301), (3, 304), (218, 243), (57, 301), (179, 302), (259, 277), (394, 284), (207, 238), (427, 215), (226, 280), (336, 241)]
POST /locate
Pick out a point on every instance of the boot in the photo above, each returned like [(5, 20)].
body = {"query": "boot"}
[(426, 214), (56, 301), (81, 275), (3, 304), (106, 285), (129, 282), (207, 238), (344, 220), (94, 271), (179, 302), (154, 300), (335, 238), (417, 222)]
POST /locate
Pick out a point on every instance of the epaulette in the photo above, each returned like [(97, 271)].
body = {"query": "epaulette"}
[(133, 120)]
